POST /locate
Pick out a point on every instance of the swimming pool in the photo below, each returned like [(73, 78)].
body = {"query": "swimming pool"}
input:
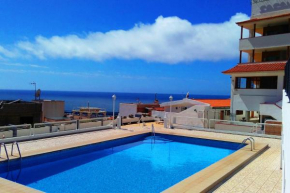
[(139, 163)]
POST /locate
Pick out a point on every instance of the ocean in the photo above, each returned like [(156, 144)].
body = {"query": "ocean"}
[(75, 99)]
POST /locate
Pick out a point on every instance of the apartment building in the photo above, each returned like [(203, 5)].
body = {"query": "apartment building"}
[(257, 80)]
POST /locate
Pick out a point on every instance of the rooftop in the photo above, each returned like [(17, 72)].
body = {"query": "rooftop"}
[(257, 67), (182, 102), (262, 19), (216, 102)]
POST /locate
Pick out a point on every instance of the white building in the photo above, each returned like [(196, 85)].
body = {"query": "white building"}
[(256, 86), (52, 110)]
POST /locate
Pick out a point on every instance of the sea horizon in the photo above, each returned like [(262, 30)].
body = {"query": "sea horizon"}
[(76, 99)]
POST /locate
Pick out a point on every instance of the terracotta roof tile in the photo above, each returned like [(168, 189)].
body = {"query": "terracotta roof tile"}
[(158, 108), (216, 102), (257, 67)]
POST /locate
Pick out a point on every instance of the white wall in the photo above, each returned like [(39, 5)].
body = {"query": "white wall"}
[(177, 108), (192, 116), (126, 109), (271, 110), (216, 114), (159, 114), (53, 108), (250, 99), (286, 144)]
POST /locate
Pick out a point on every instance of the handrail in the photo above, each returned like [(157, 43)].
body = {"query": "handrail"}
[(153, 130), (252, 141), (3, 144), (251, 138), (92, 119), (54, 123), (263, 125), (17, 145), (23, 126), (239, 122)]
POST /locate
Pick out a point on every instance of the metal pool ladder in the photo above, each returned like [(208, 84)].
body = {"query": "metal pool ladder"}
[(153, 130), (17, 145), (4, 146), (252, 140)]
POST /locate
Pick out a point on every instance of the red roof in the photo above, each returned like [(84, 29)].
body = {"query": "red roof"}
[(257, 67), (264, 18), (216, 102), (158, 108)]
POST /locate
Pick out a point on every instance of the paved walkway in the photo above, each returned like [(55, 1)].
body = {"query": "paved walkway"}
[(261, 175)]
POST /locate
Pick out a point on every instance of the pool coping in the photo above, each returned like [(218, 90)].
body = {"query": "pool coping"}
[(213, 175), (202, 181)]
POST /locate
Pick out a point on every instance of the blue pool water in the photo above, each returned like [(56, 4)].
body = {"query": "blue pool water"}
[(136, 164)]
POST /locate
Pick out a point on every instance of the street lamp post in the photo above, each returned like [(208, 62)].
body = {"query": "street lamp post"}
[(33, 83), (170, 98), (114, 100)]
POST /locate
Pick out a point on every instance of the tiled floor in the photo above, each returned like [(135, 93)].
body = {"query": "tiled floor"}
[(261, 175)]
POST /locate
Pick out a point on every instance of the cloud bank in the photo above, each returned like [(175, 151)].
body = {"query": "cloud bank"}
[(168, 40)]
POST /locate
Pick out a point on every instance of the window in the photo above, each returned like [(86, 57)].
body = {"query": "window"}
[(273, 30), (238, 112), (268, 56), (227, 112), (267, 82)]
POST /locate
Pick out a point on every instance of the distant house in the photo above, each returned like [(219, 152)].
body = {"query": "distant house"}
[(203, 108), (19, 112), (52, 110)]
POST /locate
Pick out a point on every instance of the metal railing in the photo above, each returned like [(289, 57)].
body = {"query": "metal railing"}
[(15, 131), (269, 128), (227, 126), (5, 149), (94, 122), (17, 145), (252, 141), (26, 130), (51, 127), (287, 79)]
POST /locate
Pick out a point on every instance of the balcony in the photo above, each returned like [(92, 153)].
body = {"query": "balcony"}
[(262, 42)]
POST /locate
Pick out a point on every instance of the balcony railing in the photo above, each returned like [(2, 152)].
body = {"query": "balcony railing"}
[(262, 42), (287, 78)]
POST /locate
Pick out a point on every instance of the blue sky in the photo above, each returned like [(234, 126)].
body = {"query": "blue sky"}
[(152, 46)]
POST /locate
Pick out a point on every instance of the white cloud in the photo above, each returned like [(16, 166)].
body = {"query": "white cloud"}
[(22, 65), (83, 74), (6, 53), (168, 40), (80, 74)]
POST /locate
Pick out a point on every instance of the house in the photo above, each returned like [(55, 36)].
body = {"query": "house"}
[(203, 108), (52, 110), (194, 112), (257, 84), (19, 112)]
